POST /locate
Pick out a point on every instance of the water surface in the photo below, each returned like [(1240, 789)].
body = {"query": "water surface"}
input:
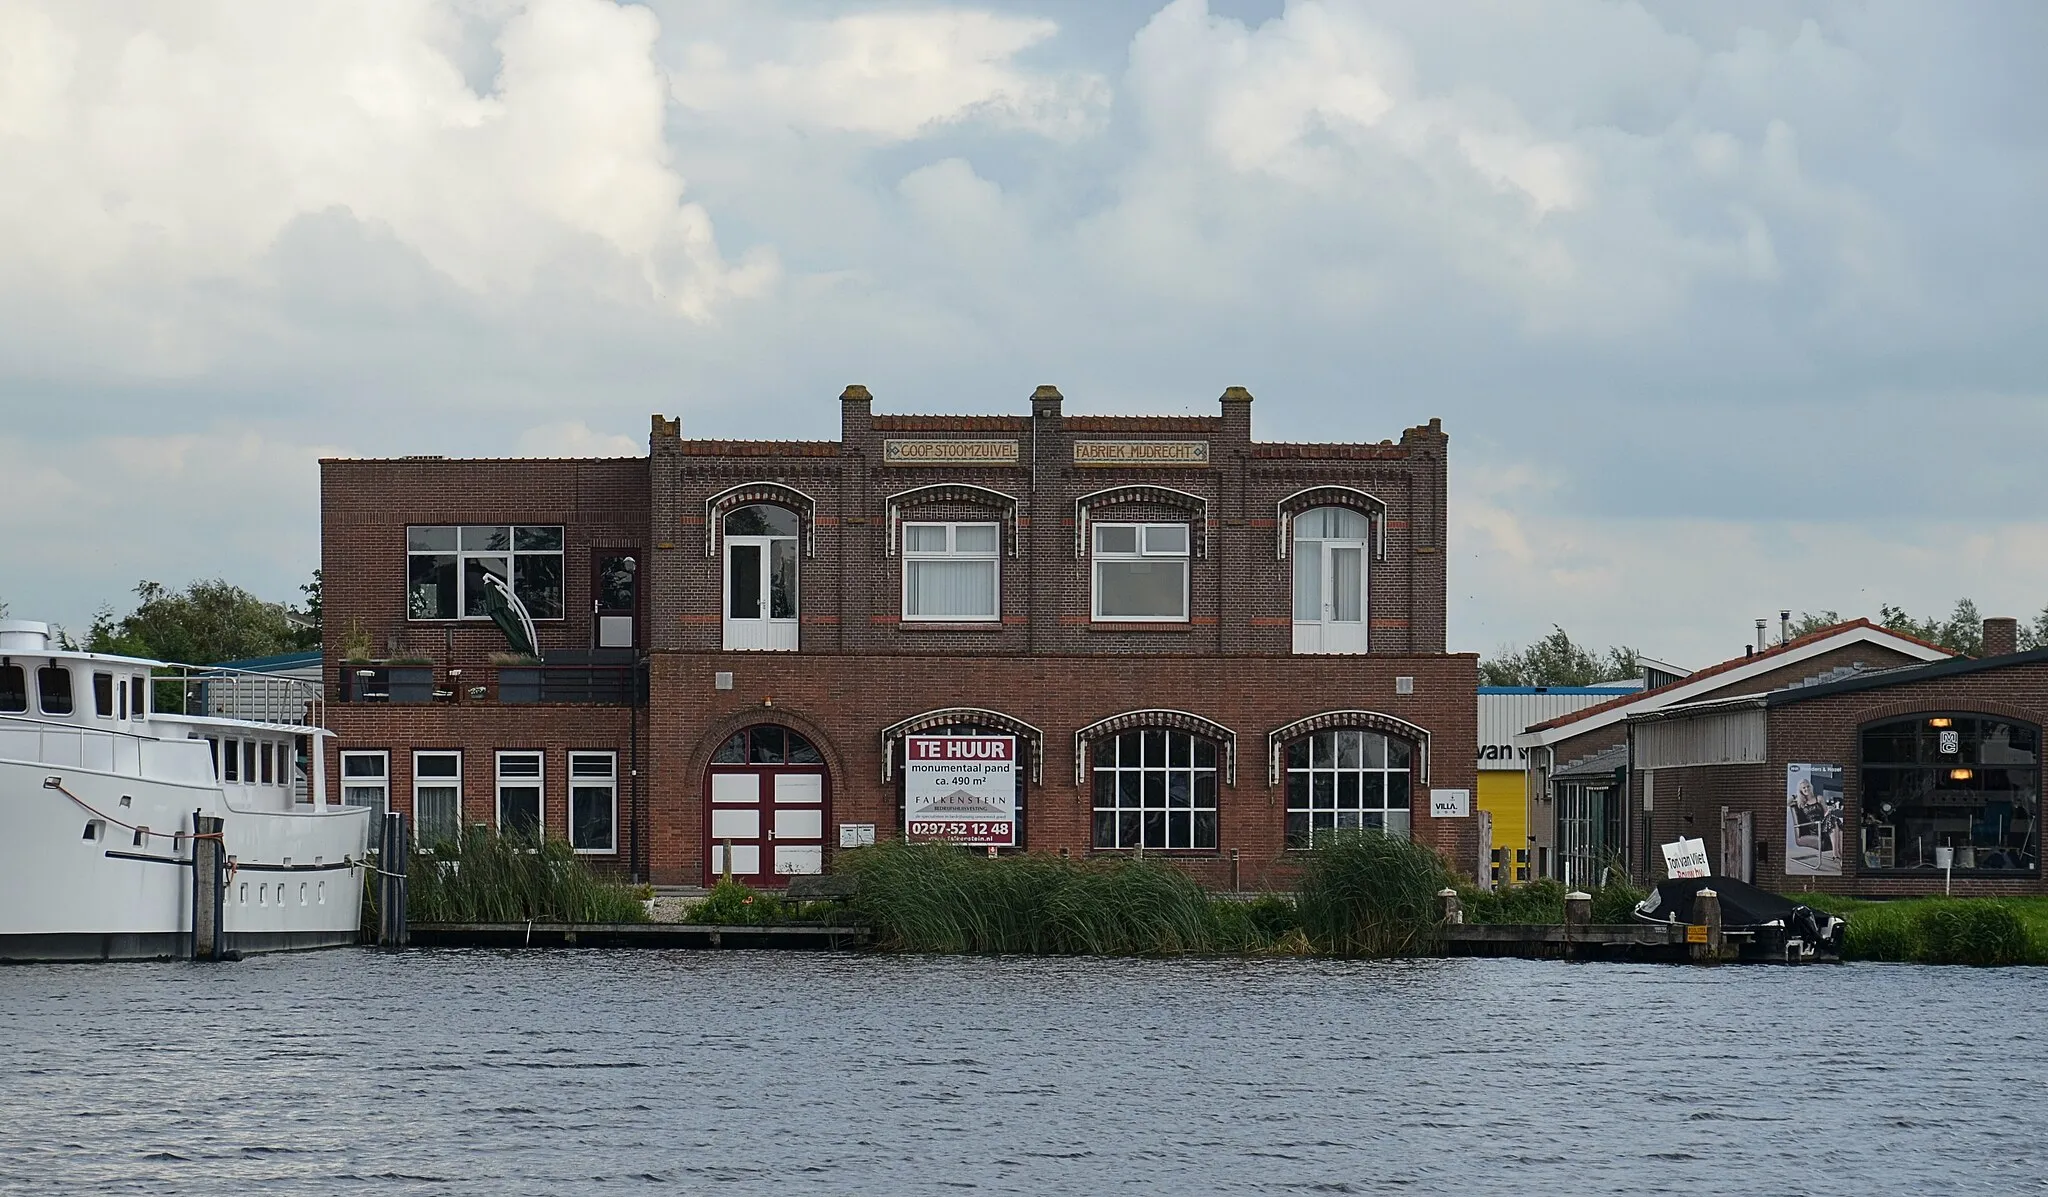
[(584, 1072)]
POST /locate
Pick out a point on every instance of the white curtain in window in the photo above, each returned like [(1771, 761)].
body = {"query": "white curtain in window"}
[(1347, 570), (951, 589), (1308, 582)]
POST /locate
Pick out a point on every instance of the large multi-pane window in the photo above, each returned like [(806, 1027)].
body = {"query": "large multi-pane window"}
[(1141, 572), (1155, 788), (436, 797), (594, 801), (519, 794), (1347, 780), (445, 569), (1970, 783), (366, 782), (950, 571)]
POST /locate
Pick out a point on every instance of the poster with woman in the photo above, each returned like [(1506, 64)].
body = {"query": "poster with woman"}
[(1813, 820)]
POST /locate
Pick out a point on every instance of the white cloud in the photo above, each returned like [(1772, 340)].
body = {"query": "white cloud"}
[(574, 438), (893, 75)]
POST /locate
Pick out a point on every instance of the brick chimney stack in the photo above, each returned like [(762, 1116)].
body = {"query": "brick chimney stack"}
[(2001, 636)]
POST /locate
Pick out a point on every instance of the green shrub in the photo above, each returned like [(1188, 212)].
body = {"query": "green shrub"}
[(1986, 934), (732, 904), (1368, 894), (1883, 932), (483, 877), (1540, 901), (1615, 900), (940, 898)]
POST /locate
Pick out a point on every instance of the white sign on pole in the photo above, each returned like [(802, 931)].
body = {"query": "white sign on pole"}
[(1450, 804), (960, 789), (1686, 858)]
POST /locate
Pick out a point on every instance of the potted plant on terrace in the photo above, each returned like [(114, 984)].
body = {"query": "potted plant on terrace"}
[(518, 677)]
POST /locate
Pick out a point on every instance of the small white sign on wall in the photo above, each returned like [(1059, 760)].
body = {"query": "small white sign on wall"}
[(856, 835), (1686, 858), (1450, 804)]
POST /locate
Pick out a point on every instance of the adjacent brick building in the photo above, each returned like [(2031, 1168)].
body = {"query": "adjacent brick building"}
[(1204, 645)]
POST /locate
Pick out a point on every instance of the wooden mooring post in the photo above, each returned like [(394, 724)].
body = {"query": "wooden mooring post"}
[(392, 855), (209, 887), (1578, 915), (1706, 907), (1450, 909)]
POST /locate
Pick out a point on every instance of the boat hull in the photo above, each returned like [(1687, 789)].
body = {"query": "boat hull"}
[(78, 881)]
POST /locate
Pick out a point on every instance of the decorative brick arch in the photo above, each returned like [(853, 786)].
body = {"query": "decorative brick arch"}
[(1376, 721), (1194, 506), (1892, 712), (1005, 507), (780, 494), (719, 732), (947, 717), (1365, 503), (1208, 729)]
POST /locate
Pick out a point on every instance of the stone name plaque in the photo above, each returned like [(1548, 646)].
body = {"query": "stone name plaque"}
[(1141, 453), (949, 452)]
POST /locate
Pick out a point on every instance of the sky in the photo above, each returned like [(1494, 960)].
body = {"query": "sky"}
[(1726, 308)]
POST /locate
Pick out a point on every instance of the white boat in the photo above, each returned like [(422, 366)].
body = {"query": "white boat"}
[(101, 790)]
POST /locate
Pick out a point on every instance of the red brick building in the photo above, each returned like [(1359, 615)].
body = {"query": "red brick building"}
[(1204, 645)]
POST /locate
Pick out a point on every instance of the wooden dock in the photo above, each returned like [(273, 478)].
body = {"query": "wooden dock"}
[(811, 936), (1662, 942)]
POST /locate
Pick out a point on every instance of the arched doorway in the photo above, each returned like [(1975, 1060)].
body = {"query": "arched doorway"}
[(767, 804)]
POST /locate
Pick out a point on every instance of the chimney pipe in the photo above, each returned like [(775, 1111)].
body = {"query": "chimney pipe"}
[(2001, 636), (1759, 635), (1785, 625)]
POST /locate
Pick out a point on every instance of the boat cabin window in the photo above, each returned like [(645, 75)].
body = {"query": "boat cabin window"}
[(103, 695), (231, 759), (269, 773), (53, 687), (124, 698), (213, 750), (13, 689), (249, 762), (138, 704)]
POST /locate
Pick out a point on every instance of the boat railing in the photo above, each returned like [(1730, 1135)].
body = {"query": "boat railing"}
[(220, 693)]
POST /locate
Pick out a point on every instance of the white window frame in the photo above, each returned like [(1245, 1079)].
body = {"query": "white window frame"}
[(382, 781), (609, 782), (537, 781), (510, 554), (1105, 762), (1097, 556), (435, 783), (1324, 755), (993, 556)]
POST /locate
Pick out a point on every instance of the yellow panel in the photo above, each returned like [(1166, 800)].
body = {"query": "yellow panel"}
[(1504, 795)]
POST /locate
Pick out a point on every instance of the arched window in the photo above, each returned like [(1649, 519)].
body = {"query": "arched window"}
[(1154, 788), (1346, 779), (766, 744), (1331, 545), (761, 578), (1971, 783)]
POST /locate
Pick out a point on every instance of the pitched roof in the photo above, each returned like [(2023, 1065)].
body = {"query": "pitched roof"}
[(1731, 671)]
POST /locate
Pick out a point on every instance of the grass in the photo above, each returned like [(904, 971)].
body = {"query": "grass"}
[(1543, 902), (1368, 894), (489, 878), (1979, 931)]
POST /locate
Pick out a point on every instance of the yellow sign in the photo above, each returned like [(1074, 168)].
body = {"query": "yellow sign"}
[(1695, 933), (1141, 453), (949, 452)]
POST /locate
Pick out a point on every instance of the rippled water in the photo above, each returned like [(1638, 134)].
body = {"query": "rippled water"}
[(479, 1072)]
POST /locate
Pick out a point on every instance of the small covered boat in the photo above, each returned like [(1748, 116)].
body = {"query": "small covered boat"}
[(1759, 924)]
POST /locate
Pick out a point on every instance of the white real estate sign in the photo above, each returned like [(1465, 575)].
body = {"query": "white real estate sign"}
[(1686, 858), (960, 789), (1450, 804)]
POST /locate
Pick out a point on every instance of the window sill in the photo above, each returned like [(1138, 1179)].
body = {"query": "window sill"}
[(1176, 853), (1110, 626), (935, 625)]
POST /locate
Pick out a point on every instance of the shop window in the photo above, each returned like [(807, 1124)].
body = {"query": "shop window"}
[(594, 801), (436, 797), (13, 690), (1155, 788), (366, 782), (520, 809), (445, 568), (1964, 782), (53, 690), (1347, 780), (951, 572), (1141, 572), (761, 578)]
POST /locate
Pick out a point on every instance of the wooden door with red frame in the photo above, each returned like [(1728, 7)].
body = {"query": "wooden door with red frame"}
[(767, 802)]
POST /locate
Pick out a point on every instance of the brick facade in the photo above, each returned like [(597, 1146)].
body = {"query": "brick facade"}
[(860, 667), (1826, 730)]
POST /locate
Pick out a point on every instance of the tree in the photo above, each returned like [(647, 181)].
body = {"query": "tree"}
[(1962, 632), (206, 623), (1556, 661), (2035, 635)]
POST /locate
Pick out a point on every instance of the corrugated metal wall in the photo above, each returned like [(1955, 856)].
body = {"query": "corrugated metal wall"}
[(1728, 738), (1503, 714)]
